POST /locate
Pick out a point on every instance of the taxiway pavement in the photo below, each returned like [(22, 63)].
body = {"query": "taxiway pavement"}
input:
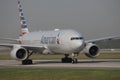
[(83, 64)]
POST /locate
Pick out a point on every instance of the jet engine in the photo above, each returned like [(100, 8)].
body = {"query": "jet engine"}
[(91, 50), (19, 53)]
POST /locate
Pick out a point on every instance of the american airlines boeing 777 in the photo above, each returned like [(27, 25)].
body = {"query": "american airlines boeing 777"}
[(57, 41)]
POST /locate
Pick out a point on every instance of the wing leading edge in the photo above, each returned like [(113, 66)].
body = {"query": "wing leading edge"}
[(28, 47), (104, 38)]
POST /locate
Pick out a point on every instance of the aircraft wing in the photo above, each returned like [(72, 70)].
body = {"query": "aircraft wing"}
[(10, 39), (29, 47), (104, 38)]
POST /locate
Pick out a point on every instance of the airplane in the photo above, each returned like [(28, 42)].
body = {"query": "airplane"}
[(65, 42)]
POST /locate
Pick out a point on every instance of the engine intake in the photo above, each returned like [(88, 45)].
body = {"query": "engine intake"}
[(91, 50), (19, 53)]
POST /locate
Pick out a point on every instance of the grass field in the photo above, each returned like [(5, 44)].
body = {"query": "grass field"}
[(58, 74), (59, 56)]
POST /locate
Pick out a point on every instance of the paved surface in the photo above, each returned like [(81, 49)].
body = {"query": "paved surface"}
[(83, 64)]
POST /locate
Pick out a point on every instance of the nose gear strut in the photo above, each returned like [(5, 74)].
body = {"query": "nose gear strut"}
[(74, 58)]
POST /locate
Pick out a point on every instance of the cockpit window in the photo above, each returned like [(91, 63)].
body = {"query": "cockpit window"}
[(76, 38)]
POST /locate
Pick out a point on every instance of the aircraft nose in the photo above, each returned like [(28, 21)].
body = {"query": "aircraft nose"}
[(78, 45)]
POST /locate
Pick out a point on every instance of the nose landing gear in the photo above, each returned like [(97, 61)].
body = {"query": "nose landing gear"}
[(74, 58)]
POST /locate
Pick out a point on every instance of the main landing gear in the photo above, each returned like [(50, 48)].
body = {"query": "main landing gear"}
[(28, 61), (73, 60), (66, 59)]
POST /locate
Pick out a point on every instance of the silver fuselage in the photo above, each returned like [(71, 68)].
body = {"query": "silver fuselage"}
[(57, 41)]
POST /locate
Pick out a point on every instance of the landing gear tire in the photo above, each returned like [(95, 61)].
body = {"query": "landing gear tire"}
[(74, 61), (27, 61), (66, 60)]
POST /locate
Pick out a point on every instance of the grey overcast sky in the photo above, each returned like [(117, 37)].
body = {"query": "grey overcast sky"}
[(92, 18)]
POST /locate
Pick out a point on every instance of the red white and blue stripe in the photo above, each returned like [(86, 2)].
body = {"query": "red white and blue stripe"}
[(23, 23)]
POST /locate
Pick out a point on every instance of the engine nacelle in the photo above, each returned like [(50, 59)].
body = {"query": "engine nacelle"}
[(19, 53), (91, 50)]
